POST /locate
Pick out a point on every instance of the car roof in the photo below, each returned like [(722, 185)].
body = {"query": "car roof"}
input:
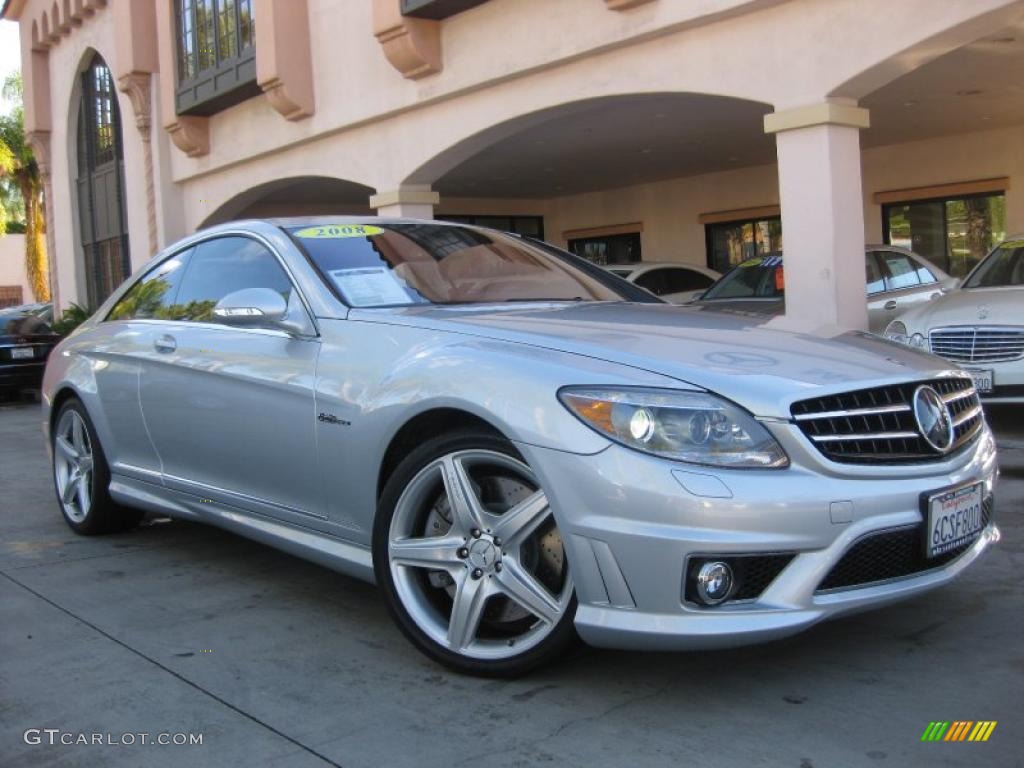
[(646, 265), (939, 271), (298, 221)]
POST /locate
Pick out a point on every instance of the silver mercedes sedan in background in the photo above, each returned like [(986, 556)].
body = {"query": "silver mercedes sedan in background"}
[(517, 446)]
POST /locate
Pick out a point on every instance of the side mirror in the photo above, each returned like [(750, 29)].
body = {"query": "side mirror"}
[(251, 308)]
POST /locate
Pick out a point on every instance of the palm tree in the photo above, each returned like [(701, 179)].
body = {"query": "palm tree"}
[(18, 167)]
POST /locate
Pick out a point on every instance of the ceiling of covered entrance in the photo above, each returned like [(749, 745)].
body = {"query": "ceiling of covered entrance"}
[(617, 142), (974, 88), (620, 141)]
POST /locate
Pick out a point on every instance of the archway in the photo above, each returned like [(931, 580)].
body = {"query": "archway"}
[(681, 133), (296, 196), (616, 177), (959, 117)]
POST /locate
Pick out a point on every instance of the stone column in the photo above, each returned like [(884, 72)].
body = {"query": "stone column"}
[(414, 202), (818, 149), (39, 141), (138, 86)]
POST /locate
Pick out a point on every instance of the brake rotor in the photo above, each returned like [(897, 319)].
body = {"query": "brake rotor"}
[(542, 554)]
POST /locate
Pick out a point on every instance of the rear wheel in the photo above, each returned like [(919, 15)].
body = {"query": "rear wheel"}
[(471, 559), (81, 475)]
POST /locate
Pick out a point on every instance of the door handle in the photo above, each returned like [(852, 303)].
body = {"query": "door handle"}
[(891, 304), (165, 343)]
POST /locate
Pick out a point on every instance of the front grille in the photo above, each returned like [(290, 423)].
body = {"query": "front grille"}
[(968, 344), (893, 554), (877, 425), (753, 573)]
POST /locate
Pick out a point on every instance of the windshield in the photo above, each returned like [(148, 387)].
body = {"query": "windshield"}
[(380, 265), (1003, 267), (758, 278)]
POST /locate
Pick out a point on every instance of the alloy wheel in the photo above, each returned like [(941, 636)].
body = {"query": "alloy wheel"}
[(73, 466), (475, 555)]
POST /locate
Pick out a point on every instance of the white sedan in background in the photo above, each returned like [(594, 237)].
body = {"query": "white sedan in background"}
[(981, 326), (673, 282)]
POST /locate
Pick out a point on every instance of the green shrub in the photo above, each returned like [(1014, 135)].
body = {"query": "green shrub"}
[(71, 318)]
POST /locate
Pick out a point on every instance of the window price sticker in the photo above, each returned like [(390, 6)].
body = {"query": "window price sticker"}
[(370, 287)]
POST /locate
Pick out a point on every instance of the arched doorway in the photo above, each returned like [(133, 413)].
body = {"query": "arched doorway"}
[(100, 184)]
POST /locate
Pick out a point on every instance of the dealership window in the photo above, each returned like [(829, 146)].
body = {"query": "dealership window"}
[(216, 54), (527, 226), (731, 242), (623, 248), (954, 233)]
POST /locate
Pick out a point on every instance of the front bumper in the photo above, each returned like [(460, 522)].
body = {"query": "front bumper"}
[(631, 521)]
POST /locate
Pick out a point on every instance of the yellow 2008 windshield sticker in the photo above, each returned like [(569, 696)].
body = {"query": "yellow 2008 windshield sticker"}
[(338, 231)]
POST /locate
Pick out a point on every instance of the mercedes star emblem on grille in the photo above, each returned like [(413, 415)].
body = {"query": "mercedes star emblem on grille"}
[(933, 419)]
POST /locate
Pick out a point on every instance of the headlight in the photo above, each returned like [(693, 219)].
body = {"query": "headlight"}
[(896, 331), (694, 427)]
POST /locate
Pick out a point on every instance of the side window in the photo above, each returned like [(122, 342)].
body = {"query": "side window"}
[(876, 283), (222, 266), (679, 280), (900, 271), (924, 274), (153, 295), (653, 281)]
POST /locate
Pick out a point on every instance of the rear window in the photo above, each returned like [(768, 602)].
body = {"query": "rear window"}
[(397, 264)]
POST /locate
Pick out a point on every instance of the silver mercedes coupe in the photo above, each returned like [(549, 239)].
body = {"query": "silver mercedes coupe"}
[(515, 445)]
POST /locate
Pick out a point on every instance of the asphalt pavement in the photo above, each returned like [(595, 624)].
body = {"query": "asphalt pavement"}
[(177, 628)]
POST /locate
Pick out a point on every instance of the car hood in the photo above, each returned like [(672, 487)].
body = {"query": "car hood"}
[(741, 357), (746, 306), (975, 306)]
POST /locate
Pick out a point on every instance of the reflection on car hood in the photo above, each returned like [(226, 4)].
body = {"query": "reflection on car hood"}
[(741, 357), (975, 306)]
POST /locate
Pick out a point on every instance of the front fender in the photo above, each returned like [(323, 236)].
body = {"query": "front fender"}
[(372, 379)]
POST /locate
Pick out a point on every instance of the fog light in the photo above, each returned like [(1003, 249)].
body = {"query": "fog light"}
[(714, 582)]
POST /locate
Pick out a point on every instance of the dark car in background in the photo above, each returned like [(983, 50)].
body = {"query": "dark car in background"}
[(26, 340)]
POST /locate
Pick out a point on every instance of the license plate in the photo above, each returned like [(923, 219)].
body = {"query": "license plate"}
[(982, 379), (22, 353), (954, 517)]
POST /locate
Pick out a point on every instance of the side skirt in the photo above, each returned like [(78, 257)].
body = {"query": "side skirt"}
[(328, 551)]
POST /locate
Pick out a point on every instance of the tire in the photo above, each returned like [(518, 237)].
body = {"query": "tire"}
[(516, 596), (81, 476)]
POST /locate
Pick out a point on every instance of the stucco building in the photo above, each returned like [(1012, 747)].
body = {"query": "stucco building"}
[(671, 130)]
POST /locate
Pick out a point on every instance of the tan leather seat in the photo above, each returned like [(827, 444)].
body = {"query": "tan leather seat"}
[(425, 277)]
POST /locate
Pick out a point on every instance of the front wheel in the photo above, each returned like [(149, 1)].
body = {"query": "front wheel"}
[(470, 558)]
